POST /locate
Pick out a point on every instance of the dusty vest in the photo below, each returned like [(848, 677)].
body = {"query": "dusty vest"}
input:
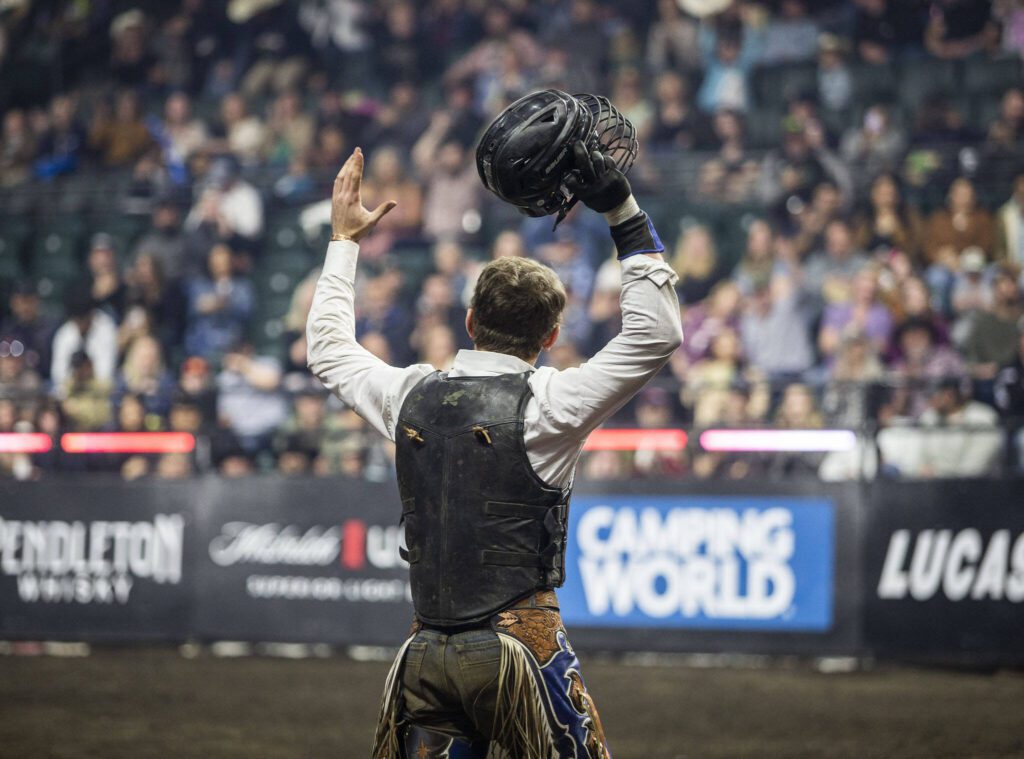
[(482, 530)]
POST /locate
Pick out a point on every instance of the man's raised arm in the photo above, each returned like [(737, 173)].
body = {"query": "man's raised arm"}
[(651, 329), (360, 379)]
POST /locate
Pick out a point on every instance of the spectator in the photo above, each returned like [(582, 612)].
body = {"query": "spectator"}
[(709, 380), (829, 272), (697, 265), (482, 65), (165, 242), (676, 123), (921, 360), (835, 82), (108, 291), (162, 300), (219, 306), (1010, 246), (875, 147), (64, 141), (852, 380), (304, 430), (229, 209), (653, 409), (89, 330), (184, 135), (85, 397), (862, 315), (18, 381), (451, 209), (991, 339), (803, 163), (960, 28), (889, 223), (791, 36), (131, 62), (673, 40), (958, 437), (239, 133), (249, 401), (144, 378), (732, 175), (774, 332), (17, 150), (1009, 395), (729, 54), (120, 138), (28, 325), (912, 300), (400, 121), (885, 28), (386, 180), (290, 132), (951, 230)]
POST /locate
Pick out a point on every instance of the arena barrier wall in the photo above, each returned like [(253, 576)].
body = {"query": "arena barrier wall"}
[(930, 571)]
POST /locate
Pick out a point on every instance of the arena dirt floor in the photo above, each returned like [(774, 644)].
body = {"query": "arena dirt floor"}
[(145, 703)]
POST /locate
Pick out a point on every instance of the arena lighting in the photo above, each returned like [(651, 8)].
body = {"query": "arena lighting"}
[(778, 440), (25, 442), (635, 439), (127, 442)]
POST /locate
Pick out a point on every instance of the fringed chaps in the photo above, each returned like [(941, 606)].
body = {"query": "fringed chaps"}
[(387, 742), (521, 727)]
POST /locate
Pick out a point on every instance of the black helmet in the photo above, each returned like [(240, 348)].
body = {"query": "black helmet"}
[(525, 155)]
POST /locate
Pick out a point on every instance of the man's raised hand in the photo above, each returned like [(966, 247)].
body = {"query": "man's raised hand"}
[(349, 219)]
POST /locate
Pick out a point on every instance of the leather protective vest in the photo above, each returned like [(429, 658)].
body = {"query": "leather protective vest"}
[(482, 530)]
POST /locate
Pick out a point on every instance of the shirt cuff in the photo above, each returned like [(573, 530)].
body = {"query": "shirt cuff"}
[(341, 259), (640, 267)]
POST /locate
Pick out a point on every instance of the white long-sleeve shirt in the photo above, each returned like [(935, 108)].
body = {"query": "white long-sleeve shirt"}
[(566, 405)]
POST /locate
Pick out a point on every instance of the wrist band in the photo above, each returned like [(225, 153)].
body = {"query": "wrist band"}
[(636, 236)]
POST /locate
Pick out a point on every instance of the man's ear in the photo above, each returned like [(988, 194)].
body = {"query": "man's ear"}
[(469, 323), (552, 338)]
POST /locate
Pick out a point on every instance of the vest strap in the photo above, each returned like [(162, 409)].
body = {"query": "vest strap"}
[(515, 510), (510, 559)]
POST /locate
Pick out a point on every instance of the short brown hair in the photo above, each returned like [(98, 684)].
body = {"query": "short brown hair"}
[(516, 304)]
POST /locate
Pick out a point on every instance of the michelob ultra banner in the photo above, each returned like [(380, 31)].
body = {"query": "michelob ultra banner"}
[(703, 562)]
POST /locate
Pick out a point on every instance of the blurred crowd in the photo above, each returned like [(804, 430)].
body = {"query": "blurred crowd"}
[(841, 185)]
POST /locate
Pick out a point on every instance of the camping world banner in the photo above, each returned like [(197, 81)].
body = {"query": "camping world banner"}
[(701, 562)]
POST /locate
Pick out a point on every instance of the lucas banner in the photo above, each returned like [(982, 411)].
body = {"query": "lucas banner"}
[(945, 571), (702, 562)]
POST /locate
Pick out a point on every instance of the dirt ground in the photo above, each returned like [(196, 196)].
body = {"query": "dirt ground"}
[(145, 703)]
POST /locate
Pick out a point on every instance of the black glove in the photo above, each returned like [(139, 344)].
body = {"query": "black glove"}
[(596, 181)]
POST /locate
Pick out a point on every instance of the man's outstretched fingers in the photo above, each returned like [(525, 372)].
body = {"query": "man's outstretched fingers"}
[(380, 211), (357, 170)]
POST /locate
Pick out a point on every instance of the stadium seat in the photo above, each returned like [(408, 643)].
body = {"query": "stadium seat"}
[(10, 267), (873, 84), (15, 232), (919, 80), (778, 83), (991, 77), (296, 262), (764, 128), (284, 234)]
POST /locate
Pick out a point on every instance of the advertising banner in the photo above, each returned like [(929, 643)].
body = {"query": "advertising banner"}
[(726, 563), (944, 565), (301, 560), (98, 559)]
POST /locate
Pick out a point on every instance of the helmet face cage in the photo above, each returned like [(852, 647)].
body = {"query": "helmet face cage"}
[(613, 134), (598, 123)]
